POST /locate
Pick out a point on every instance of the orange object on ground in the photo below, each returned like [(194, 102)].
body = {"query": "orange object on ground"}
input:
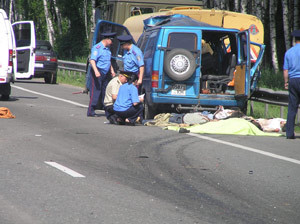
[(5, 113)]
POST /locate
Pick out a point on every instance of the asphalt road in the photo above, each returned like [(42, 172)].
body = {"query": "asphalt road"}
[(134, 174)]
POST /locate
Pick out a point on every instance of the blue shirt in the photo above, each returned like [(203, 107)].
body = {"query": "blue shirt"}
[(102, 56), (292, 61), (127, 95), (133, 59)]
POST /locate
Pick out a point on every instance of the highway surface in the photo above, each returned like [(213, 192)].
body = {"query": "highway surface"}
[(58, 166)]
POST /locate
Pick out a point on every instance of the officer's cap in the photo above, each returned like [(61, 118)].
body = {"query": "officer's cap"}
[(125, 39), (109, 35), (296, 33), (126, 74)]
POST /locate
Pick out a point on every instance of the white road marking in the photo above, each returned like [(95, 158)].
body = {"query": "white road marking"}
[(247, 148), (64, 169), (192, 134), (49, 96)]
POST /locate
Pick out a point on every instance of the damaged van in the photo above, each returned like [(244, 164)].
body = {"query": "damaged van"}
[(193, 66)]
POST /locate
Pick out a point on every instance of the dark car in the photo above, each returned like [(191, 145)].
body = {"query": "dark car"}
[(45, 62)]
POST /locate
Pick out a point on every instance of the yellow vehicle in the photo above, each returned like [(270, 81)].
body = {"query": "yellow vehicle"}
[(119, 10), (221, 18)]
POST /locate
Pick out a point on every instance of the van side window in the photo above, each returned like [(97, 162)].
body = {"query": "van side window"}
[(140, 10), (187, 41), (150, 47)]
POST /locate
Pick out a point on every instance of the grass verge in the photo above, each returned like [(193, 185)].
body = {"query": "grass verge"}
[(77, 79)]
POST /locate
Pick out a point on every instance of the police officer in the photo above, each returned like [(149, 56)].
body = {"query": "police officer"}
[(111, 94), (101, 65), (291, 75), (128, 105), (133, 57)]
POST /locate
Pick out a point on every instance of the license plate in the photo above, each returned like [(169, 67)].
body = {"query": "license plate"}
[(39, 65), (179, 89)]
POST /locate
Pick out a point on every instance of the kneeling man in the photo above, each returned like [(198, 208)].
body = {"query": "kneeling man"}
[(111, 94)]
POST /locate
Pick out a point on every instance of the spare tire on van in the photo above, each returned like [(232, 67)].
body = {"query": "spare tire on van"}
[(179, 64)]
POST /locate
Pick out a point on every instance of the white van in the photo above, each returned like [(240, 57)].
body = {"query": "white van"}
[(17, 56)]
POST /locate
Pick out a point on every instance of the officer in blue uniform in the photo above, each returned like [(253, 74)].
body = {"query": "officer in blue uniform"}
[(291, 75), (133, 57), (128, 105), (101, 65)]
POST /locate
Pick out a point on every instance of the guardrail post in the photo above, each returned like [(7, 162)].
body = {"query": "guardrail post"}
[(266, 110), (281, 111), (251, 108)]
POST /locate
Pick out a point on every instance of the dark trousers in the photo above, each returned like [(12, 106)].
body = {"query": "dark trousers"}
[(294, 100), (97, 91), (109, 111), (132, 113)]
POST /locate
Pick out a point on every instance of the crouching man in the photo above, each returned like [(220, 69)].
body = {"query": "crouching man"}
[(111, 94), (128, 105)]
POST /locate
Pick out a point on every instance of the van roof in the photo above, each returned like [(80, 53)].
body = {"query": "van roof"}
[(176, 20)]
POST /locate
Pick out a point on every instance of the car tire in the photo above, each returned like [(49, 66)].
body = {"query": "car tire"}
[(179, 64), (47, 78), (50, 78), (53, 78)]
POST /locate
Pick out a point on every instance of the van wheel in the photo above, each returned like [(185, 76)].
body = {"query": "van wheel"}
[(149, 111), (245, 108), (5, 97), (179, 64)]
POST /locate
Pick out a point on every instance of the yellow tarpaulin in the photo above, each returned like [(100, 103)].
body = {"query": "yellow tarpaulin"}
[(232, 126)]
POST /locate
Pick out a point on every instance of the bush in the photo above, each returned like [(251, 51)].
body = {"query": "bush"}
[(271, 79)]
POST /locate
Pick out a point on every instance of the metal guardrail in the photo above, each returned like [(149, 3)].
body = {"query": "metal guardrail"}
[(263, 95), (269, 96), (71, 67)]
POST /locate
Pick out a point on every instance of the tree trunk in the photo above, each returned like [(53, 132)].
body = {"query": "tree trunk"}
[(258, 9), (296, 15), (93, 15), (11, 11), (244, 6), (217, 4), (272, 9), (58, 15), (49, 23), (222, 4), (85, 18), (286, 29), (236, 5)]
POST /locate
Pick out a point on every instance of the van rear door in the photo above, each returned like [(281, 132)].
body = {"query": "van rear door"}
[(104, 26), (242, 74), (24, 32), (179, 64)]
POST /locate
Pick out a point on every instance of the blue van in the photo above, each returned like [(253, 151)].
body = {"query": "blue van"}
[(192, 66)]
